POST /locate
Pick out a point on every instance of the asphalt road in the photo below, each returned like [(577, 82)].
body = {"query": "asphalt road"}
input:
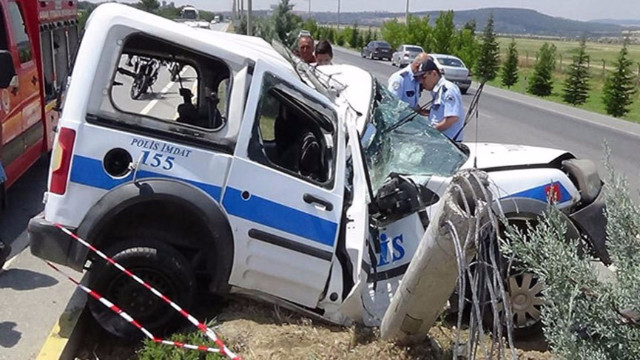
[(32, 296), (508, 117)]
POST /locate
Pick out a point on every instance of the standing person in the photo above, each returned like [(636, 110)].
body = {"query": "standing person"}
[(403, 84), (447, 112), (305, 49), (324, 53)]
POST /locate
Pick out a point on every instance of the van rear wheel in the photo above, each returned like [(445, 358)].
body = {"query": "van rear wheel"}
[(156, 263)]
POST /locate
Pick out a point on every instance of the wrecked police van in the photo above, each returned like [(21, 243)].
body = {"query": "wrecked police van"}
[(254, 174)]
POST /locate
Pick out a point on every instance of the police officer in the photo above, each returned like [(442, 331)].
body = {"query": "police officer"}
[(447, 112), (403, 84)]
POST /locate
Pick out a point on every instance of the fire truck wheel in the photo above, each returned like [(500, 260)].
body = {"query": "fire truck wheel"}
[(156, 263)]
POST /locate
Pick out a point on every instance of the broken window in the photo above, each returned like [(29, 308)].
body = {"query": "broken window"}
[(294, 132), (171, 84)]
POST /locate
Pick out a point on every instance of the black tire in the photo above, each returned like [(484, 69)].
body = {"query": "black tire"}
[(464, 91), (146, 83), (136, 87), (158, 264), (5, 251)]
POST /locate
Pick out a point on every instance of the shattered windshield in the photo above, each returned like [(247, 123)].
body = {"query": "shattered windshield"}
[(399, 140)]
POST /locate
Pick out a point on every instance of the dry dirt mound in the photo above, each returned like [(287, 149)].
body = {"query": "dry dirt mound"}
[(259, 331), (262, 331)]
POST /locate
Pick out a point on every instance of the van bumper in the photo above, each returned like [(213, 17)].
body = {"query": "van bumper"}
[(50, 243), (593, 222)]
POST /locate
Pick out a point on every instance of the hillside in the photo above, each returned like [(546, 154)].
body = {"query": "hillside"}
[(507, 21), (622, 22)]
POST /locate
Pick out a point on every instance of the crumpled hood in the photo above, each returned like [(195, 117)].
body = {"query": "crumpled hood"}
[(489, 155)]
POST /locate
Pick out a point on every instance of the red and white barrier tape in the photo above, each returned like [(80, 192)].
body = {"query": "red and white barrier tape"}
[(131, 320), (201, 326)]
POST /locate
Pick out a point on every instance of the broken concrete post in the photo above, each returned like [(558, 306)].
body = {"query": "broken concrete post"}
[(433, 272)]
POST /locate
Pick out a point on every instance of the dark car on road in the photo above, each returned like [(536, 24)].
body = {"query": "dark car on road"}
[(377, 50)]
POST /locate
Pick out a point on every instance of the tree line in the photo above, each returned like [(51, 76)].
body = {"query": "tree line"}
[(617, 92), (482, 53)]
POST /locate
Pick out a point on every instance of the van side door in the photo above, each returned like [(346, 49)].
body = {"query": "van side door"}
[(285, 188)]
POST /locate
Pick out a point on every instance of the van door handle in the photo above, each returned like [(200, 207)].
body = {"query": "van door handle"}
[(311, 199), (34, 80)]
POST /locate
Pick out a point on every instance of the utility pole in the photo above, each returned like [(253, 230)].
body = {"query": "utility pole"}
[(249, 30), (406, 14), (338, 14), (234, 10), (309, 8)]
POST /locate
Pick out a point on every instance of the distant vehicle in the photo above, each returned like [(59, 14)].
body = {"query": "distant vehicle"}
[(454, 70), (189, 13), (377, 50), (405, 54), (216, 19)]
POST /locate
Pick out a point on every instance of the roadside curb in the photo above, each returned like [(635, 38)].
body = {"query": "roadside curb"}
[(64, 337)]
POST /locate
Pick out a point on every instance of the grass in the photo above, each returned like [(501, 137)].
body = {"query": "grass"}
[(567, 49), (594, 102)]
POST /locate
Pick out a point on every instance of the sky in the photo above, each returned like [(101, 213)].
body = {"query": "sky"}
[(570, 9)]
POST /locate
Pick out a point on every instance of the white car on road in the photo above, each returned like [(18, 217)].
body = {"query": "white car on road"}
[(454, 70), (405, 54)]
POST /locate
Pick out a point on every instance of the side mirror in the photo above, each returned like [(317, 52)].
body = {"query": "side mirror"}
[(7, 70)]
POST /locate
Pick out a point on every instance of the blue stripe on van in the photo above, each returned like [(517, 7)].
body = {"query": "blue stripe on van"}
[(87, 171), (281, 217)]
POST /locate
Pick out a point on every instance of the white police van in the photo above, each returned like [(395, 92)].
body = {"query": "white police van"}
[(262, 177)]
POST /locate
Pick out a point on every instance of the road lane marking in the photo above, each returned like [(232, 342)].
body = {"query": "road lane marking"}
[(169, 85), (154, 102)]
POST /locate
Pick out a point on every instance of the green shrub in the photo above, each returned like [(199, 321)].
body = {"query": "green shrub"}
[(585, 317), (155, 351)]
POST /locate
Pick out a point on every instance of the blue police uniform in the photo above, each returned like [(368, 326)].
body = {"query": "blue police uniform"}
[(447, 101), (403, 85)]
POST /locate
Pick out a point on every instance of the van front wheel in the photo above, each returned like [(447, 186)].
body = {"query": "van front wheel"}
[(156, 263)]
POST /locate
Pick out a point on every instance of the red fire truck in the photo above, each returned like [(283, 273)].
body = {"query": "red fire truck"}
[(38, 39)]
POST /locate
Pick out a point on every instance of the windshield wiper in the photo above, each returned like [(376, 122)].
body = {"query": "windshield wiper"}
[(473, 108), (408, 117)]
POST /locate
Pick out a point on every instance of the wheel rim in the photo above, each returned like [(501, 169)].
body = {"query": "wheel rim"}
[(139, 302), (525, 297)]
